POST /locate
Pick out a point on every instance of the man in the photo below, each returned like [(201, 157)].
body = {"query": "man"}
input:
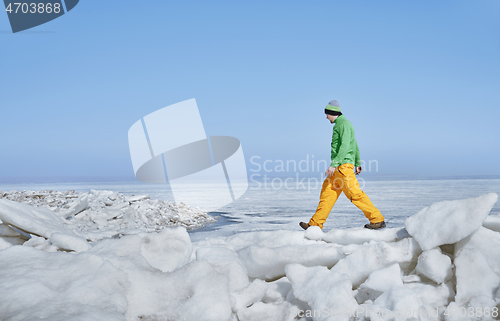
[(340, 175)]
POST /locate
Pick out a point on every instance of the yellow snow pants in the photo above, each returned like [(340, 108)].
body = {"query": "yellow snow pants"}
[(344, 180)]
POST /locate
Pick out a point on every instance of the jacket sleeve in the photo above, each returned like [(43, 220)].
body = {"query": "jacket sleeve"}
[(357, 159), (344, 140), (335, 142)]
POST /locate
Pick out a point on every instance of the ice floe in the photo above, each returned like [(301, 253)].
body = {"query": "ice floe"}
[(476, 282), (38, 221), (448, 222), (95, 215), (351, 274), (435, 265)]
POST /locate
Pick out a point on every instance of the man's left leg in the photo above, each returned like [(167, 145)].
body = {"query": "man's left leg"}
[(357, 196), (330, 191)]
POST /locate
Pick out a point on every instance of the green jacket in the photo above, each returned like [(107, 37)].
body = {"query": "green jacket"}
[(344, 146)]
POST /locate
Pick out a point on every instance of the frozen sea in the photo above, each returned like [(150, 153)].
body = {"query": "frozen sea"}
[(444, 261), (270, 205)]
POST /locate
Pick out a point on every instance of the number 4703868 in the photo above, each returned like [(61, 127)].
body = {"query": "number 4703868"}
[(20, 7)]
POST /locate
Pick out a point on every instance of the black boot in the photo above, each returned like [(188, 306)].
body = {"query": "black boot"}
[(375, 226), (304, 225)]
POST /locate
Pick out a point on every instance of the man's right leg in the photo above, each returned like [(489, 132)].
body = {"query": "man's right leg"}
[(330, 191), (357, 196)]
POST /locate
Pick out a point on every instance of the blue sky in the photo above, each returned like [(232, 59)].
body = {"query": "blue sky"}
[(418, 79)]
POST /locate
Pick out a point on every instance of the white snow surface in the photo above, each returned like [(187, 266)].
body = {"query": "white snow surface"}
[(434, 265), (485, 241), (38, 221), (349, 274), (476, 281), (335, 290), (448, 222), (379, 282)]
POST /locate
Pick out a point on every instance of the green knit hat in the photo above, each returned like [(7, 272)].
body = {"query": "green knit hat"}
[(333, 108)]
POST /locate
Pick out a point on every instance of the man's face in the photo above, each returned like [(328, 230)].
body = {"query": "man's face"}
[(331, 118)]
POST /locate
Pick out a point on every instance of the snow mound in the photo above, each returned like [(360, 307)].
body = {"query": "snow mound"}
[(434, 265), (38, 221), (253, 276), (375, 256), (69, 242), (485, 241), (476, 281), (60, 286), (168, 250), (226, 262), (269, 263), (379, 282), (97, 214), (322, 288), (448, 222), (362, 235)]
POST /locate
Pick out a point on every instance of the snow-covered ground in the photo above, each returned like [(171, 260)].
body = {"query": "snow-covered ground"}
[(100, 214), (442, 263)]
